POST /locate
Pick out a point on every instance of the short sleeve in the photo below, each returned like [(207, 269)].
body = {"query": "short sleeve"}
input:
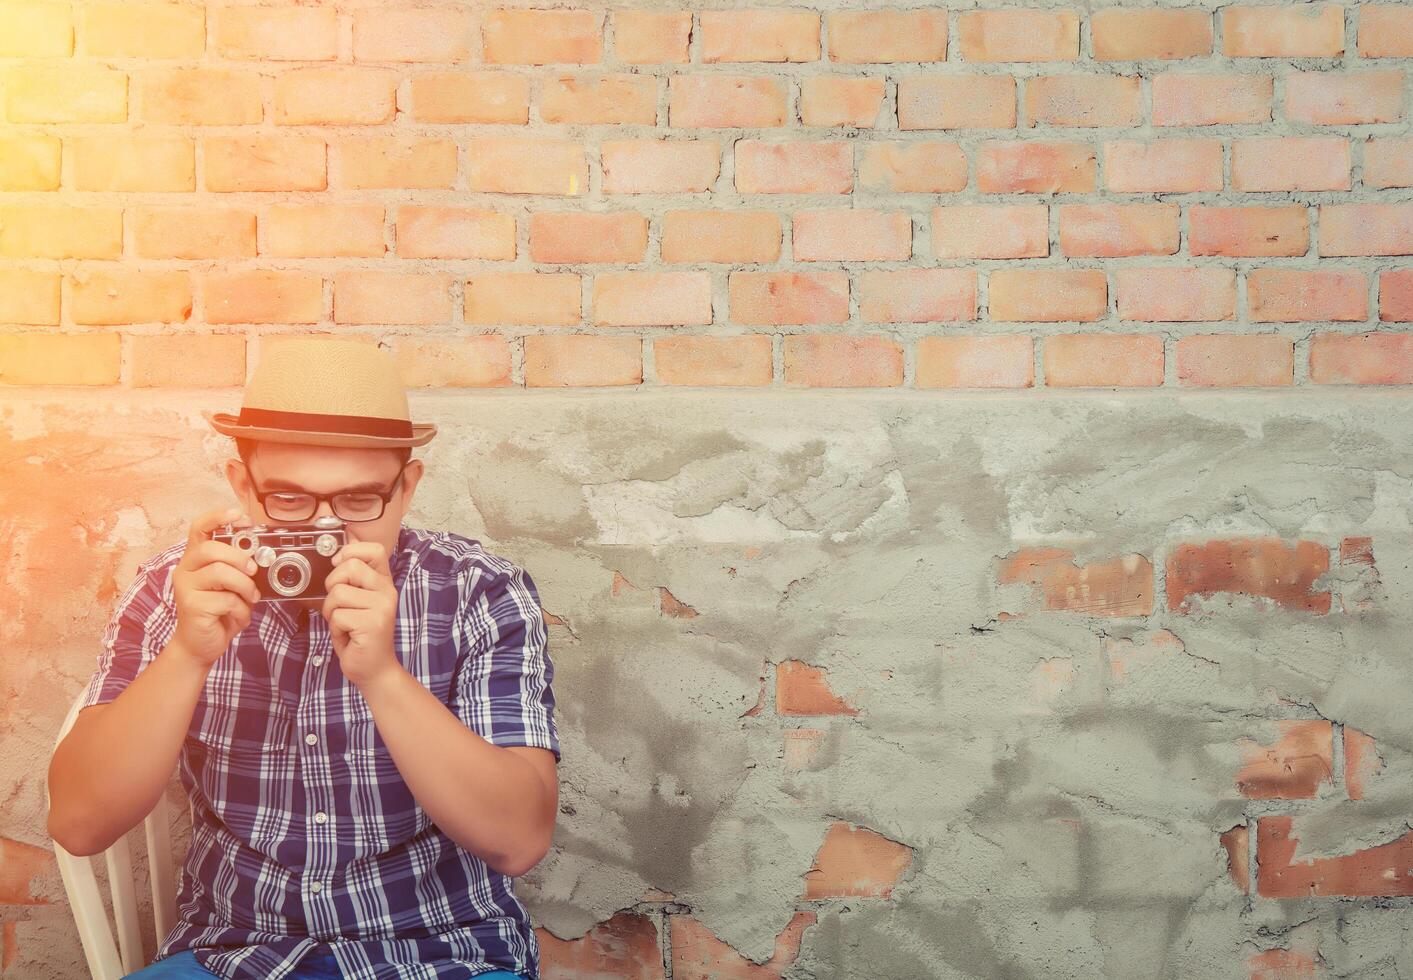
[(503, 684), (141, 624)]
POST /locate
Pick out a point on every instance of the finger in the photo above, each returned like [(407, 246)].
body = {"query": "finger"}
[(371, 552), (356, 572), (219, 551), (348, 596), (218, 576), (202, 527)]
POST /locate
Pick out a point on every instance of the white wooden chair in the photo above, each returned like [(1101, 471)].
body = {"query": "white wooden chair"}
[(108, 960)]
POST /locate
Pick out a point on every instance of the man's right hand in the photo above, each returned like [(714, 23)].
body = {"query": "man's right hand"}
[(214, 589)]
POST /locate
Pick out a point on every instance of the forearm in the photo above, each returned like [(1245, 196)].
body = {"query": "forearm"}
[(108, 773), (488, 800)]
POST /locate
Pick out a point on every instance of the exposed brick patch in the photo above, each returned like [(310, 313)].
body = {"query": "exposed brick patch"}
[(1266, 568), (1236, 843), (697, 954), (1383, 870), (801, 689), (1295, 767), (856, 861), (1121, 586), (672, 606), (1361, 761), (625, 947)]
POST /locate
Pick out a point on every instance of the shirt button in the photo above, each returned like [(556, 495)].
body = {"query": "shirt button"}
[(316, 887), (311, 738), (320, 817), (317, 660)]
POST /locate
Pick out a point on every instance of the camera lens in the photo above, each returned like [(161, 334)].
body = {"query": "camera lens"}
[(289, 575)]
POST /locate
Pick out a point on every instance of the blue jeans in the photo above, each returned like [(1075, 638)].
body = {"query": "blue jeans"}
[(317, 966)]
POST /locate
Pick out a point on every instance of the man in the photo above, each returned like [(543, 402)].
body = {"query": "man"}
[(367, 770)]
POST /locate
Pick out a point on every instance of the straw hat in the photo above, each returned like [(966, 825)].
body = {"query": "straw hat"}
[(325, 391)]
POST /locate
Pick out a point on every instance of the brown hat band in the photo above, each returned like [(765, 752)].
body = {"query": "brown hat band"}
[(315, 422)]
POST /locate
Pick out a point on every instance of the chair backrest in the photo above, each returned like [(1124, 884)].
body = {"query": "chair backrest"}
[(108, 960)]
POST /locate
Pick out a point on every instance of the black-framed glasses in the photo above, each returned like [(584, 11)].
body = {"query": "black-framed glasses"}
[(348, 505)]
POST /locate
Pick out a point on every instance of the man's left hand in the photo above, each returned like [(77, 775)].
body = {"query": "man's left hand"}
[(361, 608)]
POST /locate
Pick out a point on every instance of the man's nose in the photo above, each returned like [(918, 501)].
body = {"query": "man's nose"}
[(326, 509)]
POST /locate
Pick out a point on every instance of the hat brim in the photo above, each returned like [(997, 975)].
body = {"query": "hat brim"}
[(229, 425)]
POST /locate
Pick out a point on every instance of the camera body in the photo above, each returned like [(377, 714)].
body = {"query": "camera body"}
[(292, 560)]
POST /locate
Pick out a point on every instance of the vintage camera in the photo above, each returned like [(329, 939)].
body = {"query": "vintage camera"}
[(292, 560)]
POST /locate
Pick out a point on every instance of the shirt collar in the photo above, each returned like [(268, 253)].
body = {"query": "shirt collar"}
[(399, 561)]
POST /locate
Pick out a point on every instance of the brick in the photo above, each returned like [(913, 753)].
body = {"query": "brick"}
[(1175, 293), (588, 236), (1050, 294), (542, 37), (1382, 870), (523, 298), (1388, 162), (739, 361), (1112, 230), (1396, 295), (1281, 964), (1385, 30), (363, 162), (856, 861), (773, 35), (842, 361), (1237, 844), (802, 689), (1313, 30), (887, 36), (917, 295), (800, 748), (712, 235), (527, 165), (1248, 230), (1019, 35), (912, 166), (1373, 358), (1183, 99), (1169, 164), (373, 296), (625, 946), (29, 297), (1001, 361), (1324, 98), (1035, 168), (262, 296), (57, 359), (251, 162), (1290, 163), (660, 166), (186, 361), (697, 954), (275, 33), (1118, 587), (152, 30), (794, 167), (1235, 361), (831, 100), (335, 95), (65, 93), (780, 298), (1361, 761), (480, 361), (1262, 568), (990, 231), (192, 233), (1100, 360), (1366, 229), (1293, 295), (200, 96), (57, 231), (652, 37), (29, 162), (111, 296), (578, 360), (719, 100), (643, 299), (852, 235), (956, 102), (306, 230), (22, 869), (1083, 100), (412, 34), (607, 99), (36, 30), (1150, 34), (1295, 767), (133, 163), (470, 97), (436, 232), (1360, 594)]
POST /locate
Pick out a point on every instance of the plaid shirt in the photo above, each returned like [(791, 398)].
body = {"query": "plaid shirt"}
[(304, 835)]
